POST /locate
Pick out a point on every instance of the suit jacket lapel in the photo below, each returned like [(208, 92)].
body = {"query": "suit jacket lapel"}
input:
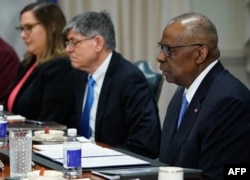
[(21, 72), (103, 98), (185, 128), (105, 91), (170, 124)]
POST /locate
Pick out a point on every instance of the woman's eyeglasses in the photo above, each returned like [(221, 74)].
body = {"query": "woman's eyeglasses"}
[(26, 28)]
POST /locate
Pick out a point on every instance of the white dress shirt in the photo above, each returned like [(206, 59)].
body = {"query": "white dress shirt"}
[(194, 86), (98, 76)]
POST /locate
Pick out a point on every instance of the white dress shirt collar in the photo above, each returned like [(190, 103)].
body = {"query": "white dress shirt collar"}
[(196, 83)]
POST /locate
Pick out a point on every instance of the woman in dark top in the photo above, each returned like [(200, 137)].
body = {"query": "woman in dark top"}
[(43, 88)]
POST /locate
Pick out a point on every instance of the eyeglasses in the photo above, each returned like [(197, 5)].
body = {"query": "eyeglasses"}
[(167, 50), (26, 28), (73, 43)]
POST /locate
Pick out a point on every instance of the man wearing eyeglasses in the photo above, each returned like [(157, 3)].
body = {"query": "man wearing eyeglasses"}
[(114, 103), (213, 131)]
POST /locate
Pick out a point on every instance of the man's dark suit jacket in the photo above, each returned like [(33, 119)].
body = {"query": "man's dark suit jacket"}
[(48, 93), (127, 114), (215, 129)]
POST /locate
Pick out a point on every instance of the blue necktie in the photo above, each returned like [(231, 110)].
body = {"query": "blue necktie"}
[(85, 129), (184, 106)]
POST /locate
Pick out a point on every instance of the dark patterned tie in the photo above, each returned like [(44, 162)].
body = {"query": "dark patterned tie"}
[(85, 129)]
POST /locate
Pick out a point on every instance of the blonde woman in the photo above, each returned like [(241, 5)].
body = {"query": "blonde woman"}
[(43, 88)]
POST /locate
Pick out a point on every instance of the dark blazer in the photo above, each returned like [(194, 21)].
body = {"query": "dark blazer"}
[(48, 93), (127, 114), (215, 129)]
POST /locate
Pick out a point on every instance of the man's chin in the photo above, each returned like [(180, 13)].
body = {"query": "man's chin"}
[(169, 80), (74, 65)]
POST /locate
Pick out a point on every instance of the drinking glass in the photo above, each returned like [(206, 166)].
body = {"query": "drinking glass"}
[(20, 144)]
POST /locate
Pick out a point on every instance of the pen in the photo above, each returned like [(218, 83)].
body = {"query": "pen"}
[(34, 122)]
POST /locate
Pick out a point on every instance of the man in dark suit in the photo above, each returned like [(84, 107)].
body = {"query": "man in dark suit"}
[(123, 112), (215, 129)]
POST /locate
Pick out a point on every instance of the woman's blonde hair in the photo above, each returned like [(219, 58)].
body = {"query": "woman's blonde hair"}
[(53, 20)]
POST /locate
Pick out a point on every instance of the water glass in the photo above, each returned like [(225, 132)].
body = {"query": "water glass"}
[(170, 173), (20, 144)]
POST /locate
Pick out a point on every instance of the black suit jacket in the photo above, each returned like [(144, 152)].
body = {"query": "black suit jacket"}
[(215, 129), (48, 93), (127, 114)]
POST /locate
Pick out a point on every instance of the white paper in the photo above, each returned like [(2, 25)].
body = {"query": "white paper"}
[(15, 118), (110, 161), (55, 151), (82, 139), (92, 155)]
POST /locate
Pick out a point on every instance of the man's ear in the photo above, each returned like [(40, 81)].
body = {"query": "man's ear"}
[(201, 54), (99, 43)]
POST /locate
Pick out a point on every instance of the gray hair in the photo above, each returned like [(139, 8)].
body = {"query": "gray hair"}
[(202, 29), (91, 24)]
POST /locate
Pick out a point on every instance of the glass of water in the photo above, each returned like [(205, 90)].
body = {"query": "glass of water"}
[(20, 144)]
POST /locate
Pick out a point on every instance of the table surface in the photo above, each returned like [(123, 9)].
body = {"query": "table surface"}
[(6, 171), (41, 162), (51, 165), (24, 125)]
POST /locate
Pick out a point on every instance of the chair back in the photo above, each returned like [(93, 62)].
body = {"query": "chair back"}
[(155, 79)]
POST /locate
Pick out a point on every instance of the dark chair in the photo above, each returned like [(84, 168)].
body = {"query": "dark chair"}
[(155, 79)]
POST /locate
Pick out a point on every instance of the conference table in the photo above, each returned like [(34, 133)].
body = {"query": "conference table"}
[(42, 162), (5, 173), (48, 164)]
